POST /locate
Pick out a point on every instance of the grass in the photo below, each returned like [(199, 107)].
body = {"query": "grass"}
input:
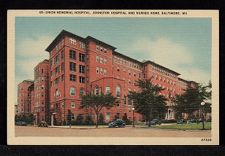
[(192, 126)]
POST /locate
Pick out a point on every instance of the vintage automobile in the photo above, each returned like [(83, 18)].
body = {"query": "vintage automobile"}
[(117, 123)]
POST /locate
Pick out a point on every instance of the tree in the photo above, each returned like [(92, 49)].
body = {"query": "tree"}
[(190, 100), (101, 119), (69, 117), (79, 119), (148, 101), (97, 102)]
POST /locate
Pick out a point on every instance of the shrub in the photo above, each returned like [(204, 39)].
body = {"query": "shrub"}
[(169, 121), (88, 120)]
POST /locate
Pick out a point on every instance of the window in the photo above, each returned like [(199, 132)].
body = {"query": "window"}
[(100, 70), (42, 71), (107, 90), (96, 90), (57, 93), (72, 54), (56, 59), (72, 66), (82, 92), (118, 69), (62, 55), (62, 67), (57, 70), (82, 45), (81, 57), (82, 69), (72, 91), (118, 91), (73, 105), (105, 61), (97, 70), (72, 77), (105, 71), (107, 116), (97, 58), (73, 41), (82, 79), (62, 78), (125, 99), (101, 60)]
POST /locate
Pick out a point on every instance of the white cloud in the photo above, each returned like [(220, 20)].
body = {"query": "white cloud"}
[(171, 54), (29, 53), (33, 47)]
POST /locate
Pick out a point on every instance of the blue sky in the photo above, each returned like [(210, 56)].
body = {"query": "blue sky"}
[(181, 44)]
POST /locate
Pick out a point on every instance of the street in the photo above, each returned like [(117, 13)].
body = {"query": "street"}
[(106, 132)]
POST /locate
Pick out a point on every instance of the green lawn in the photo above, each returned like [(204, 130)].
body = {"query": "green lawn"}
[(192, 126)]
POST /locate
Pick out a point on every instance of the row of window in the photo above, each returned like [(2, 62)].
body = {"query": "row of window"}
[(74, 78), (126, 63), (82, 57), (101, 71), (72, 91), (100, 48), (74, 42), (163, 71), (164, 80), (101, 60), (73, 67), (72, 55), (129, 72)]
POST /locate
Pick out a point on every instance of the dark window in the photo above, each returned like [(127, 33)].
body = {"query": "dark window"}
[(57, 70), (62, 78), (56, 59), (72, 54), (72, 77), (82, 69), (42, 71), (125, 99), (82, 79), (62, 67), (62, 54), (72, 66), (81, 57)]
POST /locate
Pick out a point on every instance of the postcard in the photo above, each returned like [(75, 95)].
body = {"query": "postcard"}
[(113, 77)]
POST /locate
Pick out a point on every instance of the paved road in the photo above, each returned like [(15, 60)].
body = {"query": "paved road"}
[(107, 132)]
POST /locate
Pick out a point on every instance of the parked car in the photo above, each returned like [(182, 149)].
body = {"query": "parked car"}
[(21, 123), (117, 123), (181, 121), (155, 122), (43, 124), (192, 121)]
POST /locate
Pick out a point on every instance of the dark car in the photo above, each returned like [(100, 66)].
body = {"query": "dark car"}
[(21, 123), (181, 121), (117, 123), (155, 122), (42, 124)]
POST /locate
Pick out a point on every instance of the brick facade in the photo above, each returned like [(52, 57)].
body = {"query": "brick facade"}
[(82, 65)]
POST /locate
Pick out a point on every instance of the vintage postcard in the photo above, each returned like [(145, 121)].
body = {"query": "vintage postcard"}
[(113, 77)]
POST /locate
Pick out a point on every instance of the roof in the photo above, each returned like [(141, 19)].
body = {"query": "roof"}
[(28, 80), (60, 36), (183, 80), (66, 33), (100, 42), (160, 66), (127, 57)]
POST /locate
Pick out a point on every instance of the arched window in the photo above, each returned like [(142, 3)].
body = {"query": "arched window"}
[(56, 92), (72, 91), (82, 92), (96, 90), (107, 89), (118, 91)]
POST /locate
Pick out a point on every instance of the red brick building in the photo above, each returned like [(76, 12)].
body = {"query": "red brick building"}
[(77, 66), (24, 97), (41, 92), (80, 65)]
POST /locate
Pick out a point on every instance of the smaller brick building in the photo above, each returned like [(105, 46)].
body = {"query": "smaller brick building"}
[(24, 97)]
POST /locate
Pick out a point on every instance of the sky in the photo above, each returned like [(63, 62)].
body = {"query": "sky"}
[(180, 44)]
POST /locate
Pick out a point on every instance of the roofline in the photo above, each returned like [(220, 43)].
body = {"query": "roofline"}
[(150, 62), (127, 57), (100, 42), (61, 35), (66, 33), (28, 81), (183, 80)]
